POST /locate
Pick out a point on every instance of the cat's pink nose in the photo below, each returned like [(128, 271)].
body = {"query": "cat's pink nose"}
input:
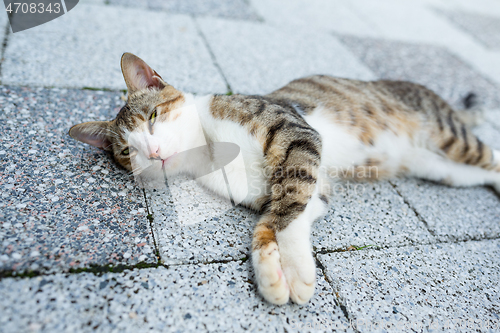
[(154, 156)]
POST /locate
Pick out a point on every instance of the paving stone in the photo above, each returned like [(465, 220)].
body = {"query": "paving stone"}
[(414, 21), (83, 49), (4, 23), (231, 9), (493, 117), (368, 214), (215, 297), (194, 225), (258, 58), (420, 289), (64, 205), (485, 7), (485, 28), (432, 66), (330, 15), (457, 213)]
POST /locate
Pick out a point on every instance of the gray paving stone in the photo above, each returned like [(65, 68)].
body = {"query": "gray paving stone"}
[(432, 66), (420, 289), (192, 224), (410, 21), (232, 9), (215, 297), (4, 23), (258, 58), (62, 204), (485, 7), (485, 28), (83, 49), (330, 15), (493, 117), (457, 213), (368, 214)]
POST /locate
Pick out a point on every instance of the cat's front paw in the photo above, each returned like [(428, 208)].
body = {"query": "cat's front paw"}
[(270, 278), (300, 273)]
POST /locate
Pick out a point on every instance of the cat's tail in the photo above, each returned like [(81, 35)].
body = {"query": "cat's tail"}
[(472, 113)]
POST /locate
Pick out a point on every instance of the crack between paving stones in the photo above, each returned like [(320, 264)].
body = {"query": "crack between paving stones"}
[(212, 55), (420, 217), (338, 299), (4, 46), (99, 270), (102, 269), (379, 248), (150, 219)]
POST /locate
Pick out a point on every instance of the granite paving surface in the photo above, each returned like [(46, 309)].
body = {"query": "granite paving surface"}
[(173, 47), (330, 15), (215, 297), (64, 205), (257, 58), (213, 230), (484, 28), (368, 214), (230, 9), (433, 66), (441, 287)]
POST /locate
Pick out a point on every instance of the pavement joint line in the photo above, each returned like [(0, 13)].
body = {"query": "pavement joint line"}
[(150, 219), (4, 46), (98, 270), (407, 202), (338, 299), (212, 55), (379, 248)]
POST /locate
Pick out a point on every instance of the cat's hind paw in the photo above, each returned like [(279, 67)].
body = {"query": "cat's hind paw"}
[(270, 278)]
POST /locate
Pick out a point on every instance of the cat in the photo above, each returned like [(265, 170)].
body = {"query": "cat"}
[(300, 132)]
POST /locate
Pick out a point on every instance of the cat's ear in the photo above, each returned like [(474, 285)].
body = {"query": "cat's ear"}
[(93, 132), (138, 75)]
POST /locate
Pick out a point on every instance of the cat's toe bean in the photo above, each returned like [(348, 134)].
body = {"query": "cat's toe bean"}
[(270, 278)]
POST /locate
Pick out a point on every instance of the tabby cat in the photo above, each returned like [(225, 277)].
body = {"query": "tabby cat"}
[(301, 132)]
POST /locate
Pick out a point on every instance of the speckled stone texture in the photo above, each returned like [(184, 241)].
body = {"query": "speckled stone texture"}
[(257, 58), (73, 51), (484, 28), (215, 297), (212, 231), (368, 214), (423, 289), (62, 204), (433, 66)]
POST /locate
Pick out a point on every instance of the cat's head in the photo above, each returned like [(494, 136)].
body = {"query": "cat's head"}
[(149, 129)]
